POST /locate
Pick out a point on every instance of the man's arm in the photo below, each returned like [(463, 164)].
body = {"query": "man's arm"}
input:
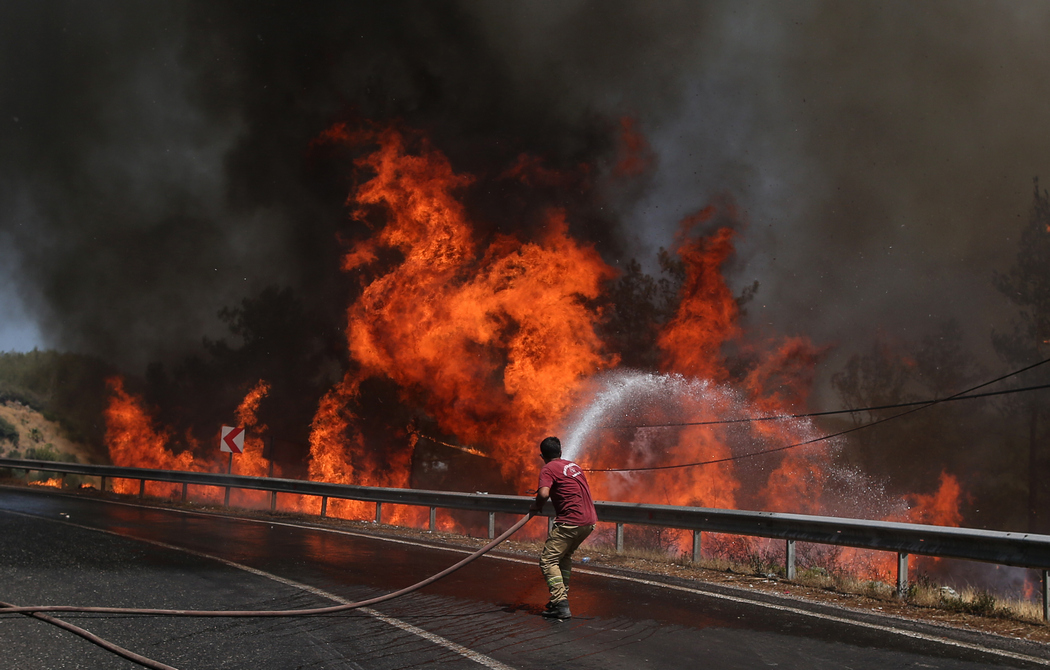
[(541, 497)]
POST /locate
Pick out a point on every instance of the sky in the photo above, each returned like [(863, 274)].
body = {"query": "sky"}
[(155, 164)]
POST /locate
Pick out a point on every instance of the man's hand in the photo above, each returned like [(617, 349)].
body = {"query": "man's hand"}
[(541, 497)]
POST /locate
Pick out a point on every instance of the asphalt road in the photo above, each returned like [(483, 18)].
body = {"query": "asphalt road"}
[(487, 615)]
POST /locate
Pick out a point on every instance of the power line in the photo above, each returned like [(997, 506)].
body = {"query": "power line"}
[(784, 417), (957, 396)]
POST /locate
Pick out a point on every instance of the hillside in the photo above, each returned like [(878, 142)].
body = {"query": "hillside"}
[(56, 398), (35, 436)]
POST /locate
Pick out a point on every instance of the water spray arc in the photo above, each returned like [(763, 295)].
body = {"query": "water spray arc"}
[(915, 407)]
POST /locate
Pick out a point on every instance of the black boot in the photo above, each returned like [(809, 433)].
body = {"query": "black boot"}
[(550, 605), (559, 610)]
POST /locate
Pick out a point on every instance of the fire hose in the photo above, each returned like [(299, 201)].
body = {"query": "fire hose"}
[(37, 611)]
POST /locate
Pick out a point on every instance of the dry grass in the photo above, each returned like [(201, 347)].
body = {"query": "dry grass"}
[(981, 603), (921, 593)]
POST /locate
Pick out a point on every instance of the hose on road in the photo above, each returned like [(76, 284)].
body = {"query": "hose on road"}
[(95, 639), (38, 610)]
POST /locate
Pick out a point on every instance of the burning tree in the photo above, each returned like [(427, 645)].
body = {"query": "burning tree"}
[(490, 344)]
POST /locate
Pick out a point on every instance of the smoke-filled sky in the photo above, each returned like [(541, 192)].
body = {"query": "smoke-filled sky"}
[(155, 159)]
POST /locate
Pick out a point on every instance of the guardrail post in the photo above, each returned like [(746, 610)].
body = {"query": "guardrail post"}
[(619, 538), (273, 501), (696, 545), (789, 559), (1046, 595), (185, 486), (379, 513), (142, 488), (902, 575), (226, 499), (492, 525), (433, 518), (324, 506), (61, 480), (103, 484)]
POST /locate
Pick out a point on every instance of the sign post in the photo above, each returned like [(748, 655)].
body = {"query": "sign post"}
[(268, 455)]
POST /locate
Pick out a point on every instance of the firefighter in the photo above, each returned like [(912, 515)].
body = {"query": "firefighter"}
[(565, 484)]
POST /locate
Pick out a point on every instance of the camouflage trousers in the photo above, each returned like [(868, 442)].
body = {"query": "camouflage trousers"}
[(556, 557)]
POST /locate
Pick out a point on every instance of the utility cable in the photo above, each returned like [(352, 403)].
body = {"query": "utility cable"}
[(785, 417), (823, 437)]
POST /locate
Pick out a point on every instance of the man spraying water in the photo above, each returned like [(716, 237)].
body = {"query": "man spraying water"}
[(565, 484)]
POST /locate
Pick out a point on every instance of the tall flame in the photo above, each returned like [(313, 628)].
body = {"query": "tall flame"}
[(251, 461), (492, 345), (707, 315)]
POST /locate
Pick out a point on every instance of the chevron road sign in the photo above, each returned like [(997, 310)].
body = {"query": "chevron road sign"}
[(232, 439)]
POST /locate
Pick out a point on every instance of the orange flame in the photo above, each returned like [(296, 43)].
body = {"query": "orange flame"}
[(251, 461), (492, 345), (692, 343), (133, 441), (940, 508), (707, 316)]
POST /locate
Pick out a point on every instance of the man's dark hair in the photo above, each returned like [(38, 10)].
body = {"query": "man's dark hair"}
[(550, 448)]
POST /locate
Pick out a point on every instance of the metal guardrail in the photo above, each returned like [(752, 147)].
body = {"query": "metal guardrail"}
[(1016, 549)]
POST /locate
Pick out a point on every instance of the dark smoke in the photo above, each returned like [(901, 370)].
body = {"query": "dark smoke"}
[(156, 164)]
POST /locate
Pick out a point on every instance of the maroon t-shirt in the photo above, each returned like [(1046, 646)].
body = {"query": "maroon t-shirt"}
[(569, 492)]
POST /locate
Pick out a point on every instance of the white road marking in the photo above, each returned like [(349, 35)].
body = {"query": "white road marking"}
[(467, 653)]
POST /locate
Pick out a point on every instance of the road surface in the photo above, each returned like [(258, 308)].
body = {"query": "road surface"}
[(63, 549)]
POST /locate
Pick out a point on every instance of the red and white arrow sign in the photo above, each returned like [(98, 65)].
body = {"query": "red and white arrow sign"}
[(232, 440)]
